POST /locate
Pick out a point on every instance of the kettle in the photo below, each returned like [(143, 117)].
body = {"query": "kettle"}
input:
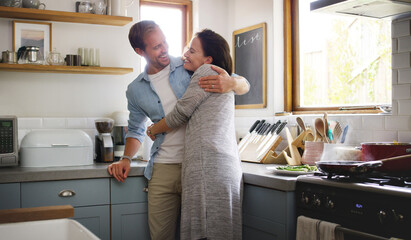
[(29, 54)]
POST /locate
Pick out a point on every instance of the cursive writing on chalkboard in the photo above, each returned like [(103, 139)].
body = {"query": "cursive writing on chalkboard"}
[(240, 43)]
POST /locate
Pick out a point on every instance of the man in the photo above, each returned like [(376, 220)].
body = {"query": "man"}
[(153, 94)]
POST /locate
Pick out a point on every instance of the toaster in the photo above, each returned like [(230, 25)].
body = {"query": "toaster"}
[(8, 141)]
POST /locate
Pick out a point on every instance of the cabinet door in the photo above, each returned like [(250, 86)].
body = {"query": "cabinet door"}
[(130, 191), (268, 213), (9, 195), (129, 221), (96, 219)]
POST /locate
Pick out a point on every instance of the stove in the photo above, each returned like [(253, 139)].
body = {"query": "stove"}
[(366, 207)]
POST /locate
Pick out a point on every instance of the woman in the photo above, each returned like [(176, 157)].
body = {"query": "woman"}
[(211, 170)]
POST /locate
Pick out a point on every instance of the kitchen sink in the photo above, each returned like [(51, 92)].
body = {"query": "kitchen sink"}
[(58, 229)]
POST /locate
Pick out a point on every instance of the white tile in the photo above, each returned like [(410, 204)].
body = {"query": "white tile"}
[(354, 121), (373, 122), (54, 123), (404, 107), (394, 45), (355, 137), (400, 29), (384, 136), (394, 111), (404, 75), (29, 123), (401, 60), (395, 76), (404, 44), (402, 91), (404, 136), (77, 123), (399, 123), (20, 135)]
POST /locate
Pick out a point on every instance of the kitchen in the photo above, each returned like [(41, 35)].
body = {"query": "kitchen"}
[(72, 101)]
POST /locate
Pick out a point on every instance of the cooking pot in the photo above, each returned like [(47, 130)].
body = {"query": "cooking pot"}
[(381, 150)]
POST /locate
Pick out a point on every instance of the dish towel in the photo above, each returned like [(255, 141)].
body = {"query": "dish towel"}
[(307, 228), (327, 231), (314, 229)]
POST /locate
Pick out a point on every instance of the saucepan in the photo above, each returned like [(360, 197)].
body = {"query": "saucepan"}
[(381, 150), (351, 168)]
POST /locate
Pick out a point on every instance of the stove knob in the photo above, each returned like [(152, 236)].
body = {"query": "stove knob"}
[(382, 215), (330, 203), (398, 217), (305, 199), (317, 201)]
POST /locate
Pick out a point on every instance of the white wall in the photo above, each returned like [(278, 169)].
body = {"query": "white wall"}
[(71, 95)]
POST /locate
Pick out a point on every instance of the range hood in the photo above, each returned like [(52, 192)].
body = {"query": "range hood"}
[(367, 8)]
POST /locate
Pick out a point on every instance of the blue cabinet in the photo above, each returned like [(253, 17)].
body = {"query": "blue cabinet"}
[(129, 209), (268, 214), (89, 197), (9, 195)]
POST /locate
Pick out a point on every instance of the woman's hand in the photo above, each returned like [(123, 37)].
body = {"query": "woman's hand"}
[(149, 132), (220, 83)]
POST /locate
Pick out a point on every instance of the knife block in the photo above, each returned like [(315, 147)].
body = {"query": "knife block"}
[(285, 156)]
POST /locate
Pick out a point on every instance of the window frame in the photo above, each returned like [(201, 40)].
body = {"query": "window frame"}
[(292, 69), (186, 6)]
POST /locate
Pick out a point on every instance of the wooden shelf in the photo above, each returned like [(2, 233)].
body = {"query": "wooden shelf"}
[(60, 16), (64, 69)]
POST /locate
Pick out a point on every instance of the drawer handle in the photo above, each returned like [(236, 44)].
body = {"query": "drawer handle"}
[(67, 193), (145, 189)]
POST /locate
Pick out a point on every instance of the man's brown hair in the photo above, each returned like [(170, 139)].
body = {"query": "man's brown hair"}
[(138, 31)]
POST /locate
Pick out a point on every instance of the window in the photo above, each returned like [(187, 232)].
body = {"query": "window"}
[(175, 20), (335, 62)]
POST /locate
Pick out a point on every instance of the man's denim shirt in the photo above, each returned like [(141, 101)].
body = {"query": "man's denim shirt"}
[(144, 102)]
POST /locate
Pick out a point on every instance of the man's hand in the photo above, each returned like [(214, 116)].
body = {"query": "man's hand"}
[(220, 83), (119, 170), (149, 132)]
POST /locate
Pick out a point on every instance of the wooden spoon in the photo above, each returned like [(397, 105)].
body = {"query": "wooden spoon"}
[(319, 129), (301, 123), (326, 127)]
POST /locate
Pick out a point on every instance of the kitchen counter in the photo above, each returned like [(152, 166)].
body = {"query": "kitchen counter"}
[(255, 174)]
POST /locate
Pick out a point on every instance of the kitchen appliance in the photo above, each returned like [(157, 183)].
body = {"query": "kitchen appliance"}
[(8, 141), (56, 148), (367, 8), (366, 206), (119, 133), (104, 141)]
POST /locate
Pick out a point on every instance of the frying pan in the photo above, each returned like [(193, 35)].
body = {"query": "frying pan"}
[(356, 167)]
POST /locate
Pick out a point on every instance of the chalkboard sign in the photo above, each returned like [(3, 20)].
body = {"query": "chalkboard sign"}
[(250, 61)]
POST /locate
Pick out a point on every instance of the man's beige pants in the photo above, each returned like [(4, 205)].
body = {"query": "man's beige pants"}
[(164, 200)]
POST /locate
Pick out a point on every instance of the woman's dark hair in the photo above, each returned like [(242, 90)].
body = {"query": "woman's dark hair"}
[(138, 31), (216, 47)]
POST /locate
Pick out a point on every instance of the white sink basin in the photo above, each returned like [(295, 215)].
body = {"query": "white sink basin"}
[(58, 229)]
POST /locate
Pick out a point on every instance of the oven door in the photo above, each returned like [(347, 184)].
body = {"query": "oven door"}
[(359, 214), (310, 228)]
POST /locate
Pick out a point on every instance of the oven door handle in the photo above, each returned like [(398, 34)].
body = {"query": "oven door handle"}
[(365, 236)]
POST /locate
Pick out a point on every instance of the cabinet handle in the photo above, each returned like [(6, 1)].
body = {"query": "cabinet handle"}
[(67, 193), (145, 189)]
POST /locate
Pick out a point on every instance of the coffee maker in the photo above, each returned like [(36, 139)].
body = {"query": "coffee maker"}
[(104, 141), (119, 133)]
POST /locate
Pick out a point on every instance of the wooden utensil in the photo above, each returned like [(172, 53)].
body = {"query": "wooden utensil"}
[(337, 132), (319, 129), (295, 155)]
